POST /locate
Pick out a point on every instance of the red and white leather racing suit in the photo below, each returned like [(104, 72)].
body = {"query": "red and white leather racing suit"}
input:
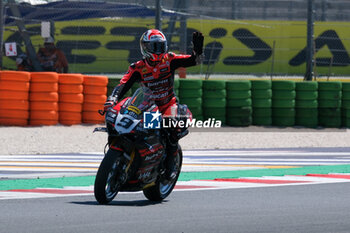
[(158, 78)]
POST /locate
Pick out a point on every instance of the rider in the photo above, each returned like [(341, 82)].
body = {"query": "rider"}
[(156, 71)]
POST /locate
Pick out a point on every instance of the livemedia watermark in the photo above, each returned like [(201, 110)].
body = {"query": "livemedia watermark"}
[(154, 120)]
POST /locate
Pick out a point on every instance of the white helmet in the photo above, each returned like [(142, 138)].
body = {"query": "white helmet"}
[(153, 45)]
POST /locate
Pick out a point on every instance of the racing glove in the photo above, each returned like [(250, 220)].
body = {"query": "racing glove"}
[(111, 101), (197, 40)]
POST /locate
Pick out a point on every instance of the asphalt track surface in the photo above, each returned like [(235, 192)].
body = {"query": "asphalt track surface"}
[(303, 208)]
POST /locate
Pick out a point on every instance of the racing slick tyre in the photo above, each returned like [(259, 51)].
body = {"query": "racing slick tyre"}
[(306, 95), (70, 78), (14, 95), (306, 86), (262, 94), (15, 75), (214, 94), (283, 85), (43, 96), (190, 84), (346, 95), (283, 95), (283, 122), (306, 112), (70, 107), (329, 95), (13, 122), (43, 87), (238, 85), (8, 85), (277, 103), (163, 187), (95, 90), (76, 98), (306, 122), (95, 99), (329, 103), (190, 93), (306, 104), (262, 121), (95, 80), (262, 112), (71, 88), (261, 103), (44, 77), (107, 184), (346, 104), (346, 86), (329, 86), (261, 84), (92, 117), (283, 112), (239, 94), (214, 85)]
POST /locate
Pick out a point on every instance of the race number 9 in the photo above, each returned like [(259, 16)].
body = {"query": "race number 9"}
[(125, 122)]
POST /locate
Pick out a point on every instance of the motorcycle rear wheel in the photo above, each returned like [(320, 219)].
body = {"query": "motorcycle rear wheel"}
[(106, 182), (163, 187)]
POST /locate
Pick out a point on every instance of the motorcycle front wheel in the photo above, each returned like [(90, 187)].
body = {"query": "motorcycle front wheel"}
[(163, 187), (107, 179)]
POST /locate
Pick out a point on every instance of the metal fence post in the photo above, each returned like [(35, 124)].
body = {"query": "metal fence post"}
[(324, 10), (25, 35), (183, 36), (233, 11), (159, 14), (310, 40), (183, 28)]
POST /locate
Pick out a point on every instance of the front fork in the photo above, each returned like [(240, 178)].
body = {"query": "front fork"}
[(127, 159)]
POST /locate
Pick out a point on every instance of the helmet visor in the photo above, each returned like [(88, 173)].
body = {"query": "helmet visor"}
[(155, 47)]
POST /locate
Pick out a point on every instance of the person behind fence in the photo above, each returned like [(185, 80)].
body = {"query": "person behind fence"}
[(156, 71), (23, 63), (52, 58)]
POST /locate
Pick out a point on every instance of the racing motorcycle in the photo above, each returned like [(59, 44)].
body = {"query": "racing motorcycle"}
[(135, 155)]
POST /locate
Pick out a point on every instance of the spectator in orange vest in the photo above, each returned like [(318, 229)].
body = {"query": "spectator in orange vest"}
[(52, 58)]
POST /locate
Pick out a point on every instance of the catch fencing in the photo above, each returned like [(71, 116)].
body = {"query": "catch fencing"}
[(241, 37)]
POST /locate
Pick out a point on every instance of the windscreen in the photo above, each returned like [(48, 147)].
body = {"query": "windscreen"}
[(142, 98)]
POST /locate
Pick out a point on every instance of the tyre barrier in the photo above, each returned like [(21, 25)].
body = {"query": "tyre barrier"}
[(191, 93), (214, 100), (47, 98), (346, 104), (239, 103), (95, 95), (306, 104), (43, 98), (329, 104), (70, 98), (261, 102), (14, 96), (283, 103)]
